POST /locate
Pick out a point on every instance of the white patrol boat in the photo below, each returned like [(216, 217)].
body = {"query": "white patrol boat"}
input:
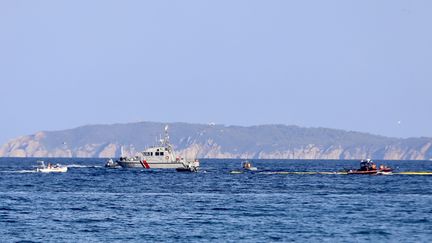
[(159, 157)]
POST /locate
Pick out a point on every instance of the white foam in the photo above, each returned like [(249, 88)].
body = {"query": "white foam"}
[(83, 166), (19, 171)]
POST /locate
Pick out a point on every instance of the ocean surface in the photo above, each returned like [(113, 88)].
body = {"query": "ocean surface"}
[(91, 203)]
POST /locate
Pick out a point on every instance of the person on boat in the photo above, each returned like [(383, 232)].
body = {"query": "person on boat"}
[(385, 168), (246, 165)]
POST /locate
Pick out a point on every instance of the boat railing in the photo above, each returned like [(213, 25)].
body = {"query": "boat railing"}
[(40, 164)]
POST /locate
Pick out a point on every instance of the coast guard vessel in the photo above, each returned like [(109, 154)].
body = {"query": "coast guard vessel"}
[(159, 157)]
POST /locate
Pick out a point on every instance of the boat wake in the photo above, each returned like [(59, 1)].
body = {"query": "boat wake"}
[(19, 171), (83, 166)]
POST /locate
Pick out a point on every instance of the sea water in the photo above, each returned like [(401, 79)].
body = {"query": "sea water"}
[(91, 203)]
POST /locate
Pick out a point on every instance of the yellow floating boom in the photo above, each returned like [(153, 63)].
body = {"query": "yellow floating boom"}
[(302, 173), (414, 173), (333, 173)]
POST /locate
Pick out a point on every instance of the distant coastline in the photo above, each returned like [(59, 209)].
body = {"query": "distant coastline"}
[(222, 159), (218, 142)]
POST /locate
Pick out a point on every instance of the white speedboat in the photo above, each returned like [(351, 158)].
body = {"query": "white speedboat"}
[(159, 157), (111, 164), (50, 167)]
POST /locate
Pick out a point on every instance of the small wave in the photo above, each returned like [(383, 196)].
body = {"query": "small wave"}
[(220, 209), (371, 232)]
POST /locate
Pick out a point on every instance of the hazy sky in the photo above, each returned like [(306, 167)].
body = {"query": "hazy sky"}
[(354, 65)]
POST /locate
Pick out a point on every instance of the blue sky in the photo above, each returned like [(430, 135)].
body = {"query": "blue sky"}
[(353, 65)]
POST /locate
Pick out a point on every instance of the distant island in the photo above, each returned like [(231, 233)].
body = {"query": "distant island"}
[(218, 141)]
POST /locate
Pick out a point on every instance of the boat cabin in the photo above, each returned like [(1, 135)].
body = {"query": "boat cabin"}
[(158, 154), (366, 165)]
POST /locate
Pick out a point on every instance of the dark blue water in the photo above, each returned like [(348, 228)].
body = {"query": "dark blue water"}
[(91, 203)]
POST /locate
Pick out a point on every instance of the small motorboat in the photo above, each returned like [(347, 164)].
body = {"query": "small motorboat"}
[(111, 164), (384, 170), (50, 167), (368, 167), (248, 166), (189, 167)]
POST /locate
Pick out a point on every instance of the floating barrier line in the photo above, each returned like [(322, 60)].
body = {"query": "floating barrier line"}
[(414, 173), (327, 172), (302, 173)]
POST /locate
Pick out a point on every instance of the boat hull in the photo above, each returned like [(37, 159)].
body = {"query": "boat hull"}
[(359, 172), (152, 165), (369, 172), (53, 170)]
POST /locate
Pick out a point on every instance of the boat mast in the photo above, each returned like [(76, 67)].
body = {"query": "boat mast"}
[(166, 141)]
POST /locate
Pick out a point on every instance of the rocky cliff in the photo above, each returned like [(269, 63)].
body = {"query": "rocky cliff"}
[(218, 141)]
